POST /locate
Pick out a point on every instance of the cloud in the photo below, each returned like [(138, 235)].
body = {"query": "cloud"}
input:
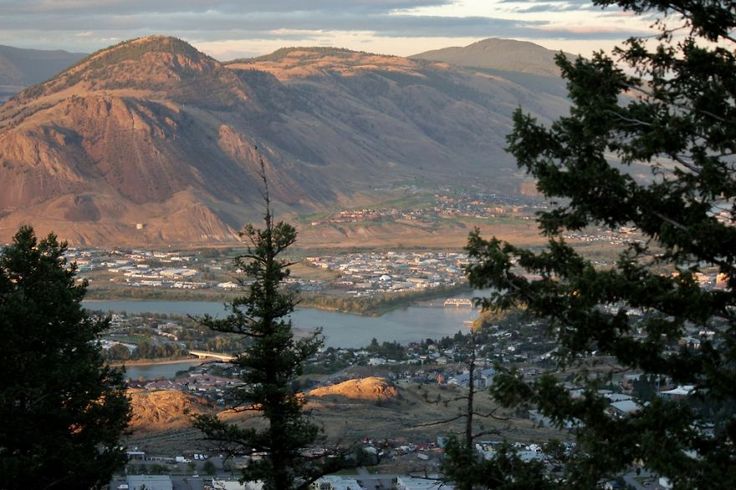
[(88, 25), (555, 7), (219, 25), (128, 7)]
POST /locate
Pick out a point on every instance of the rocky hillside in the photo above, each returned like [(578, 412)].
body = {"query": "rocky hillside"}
[(371, 388), (164, 410), (151, 141)]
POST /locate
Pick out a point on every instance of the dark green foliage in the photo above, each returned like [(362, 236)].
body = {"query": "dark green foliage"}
[(645, 388), (381, 303), (62, 409), (209, 468), (674, 111), (389, 350), (505, 471), (270, 363)]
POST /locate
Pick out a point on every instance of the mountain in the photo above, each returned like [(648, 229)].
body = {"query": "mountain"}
[(23, 67), (499, 54), (151, 141)]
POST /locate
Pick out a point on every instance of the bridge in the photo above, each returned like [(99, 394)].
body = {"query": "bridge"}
[(458, 302), (212, 355)]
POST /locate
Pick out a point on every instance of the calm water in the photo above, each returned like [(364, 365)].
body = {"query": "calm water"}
[(340, 329), (154, 371)]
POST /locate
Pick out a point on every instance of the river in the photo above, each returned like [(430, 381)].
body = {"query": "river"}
[(157, 370), (405, 325)]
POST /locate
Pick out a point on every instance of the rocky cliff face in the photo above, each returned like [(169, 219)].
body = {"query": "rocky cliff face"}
[(151, 141)]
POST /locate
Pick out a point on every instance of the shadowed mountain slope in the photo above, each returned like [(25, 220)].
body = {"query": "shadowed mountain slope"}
[(20, 68)]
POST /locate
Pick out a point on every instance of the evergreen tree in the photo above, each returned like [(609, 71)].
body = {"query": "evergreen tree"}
[(62, 409), (673, 111), (269, 365)]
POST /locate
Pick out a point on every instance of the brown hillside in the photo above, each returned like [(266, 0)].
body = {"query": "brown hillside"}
[(372, 388), (164, 410), (288, 63)]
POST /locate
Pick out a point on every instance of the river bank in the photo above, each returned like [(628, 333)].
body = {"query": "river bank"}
[(371, 306), (151, 362), (411, 324), (156, 370)]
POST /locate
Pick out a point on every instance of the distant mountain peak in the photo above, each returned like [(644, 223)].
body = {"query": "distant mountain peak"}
[(155, 64), (499, 54), (135, 49)]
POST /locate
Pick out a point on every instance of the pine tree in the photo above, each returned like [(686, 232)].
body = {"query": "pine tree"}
[(269, 365), (673, 111), (62, 409)]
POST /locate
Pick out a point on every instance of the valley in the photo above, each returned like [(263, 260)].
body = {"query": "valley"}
[(148, 157)]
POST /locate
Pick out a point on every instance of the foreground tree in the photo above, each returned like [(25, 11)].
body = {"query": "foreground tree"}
[(62, 409), (673, 111), (269, 365)]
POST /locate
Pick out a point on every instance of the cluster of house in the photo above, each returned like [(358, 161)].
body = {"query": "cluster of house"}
[(401, 482), (394, 271), (623, 401), (332, 482), (483, 205), (197, 381), (359, 273), (621, 236), (142, 267), (474, 205), (88, 259), (194, 462), (128, 330)]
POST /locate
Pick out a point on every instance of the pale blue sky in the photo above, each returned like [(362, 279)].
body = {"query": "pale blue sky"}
[(227, 29)]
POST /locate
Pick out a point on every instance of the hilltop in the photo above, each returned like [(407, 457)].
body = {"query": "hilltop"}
[(294, 63), (372, 388), (499, 54)]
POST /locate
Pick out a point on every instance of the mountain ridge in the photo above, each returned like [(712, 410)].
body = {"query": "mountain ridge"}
[(151, 141)]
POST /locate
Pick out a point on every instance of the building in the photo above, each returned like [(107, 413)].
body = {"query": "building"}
[(334, 482), (236, 485), (411, 483), (150, 482)]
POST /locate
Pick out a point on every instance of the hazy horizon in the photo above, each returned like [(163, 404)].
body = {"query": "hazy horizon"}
[(226, 29)]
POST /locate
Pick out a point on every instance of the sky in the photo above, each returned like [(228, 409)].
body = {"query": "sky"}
[(227, 29)]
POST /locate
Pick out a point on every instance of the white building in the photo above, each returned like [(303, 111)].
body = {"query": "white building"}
[(236, 485), (150, 482), (334, 482), (410, 483)]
